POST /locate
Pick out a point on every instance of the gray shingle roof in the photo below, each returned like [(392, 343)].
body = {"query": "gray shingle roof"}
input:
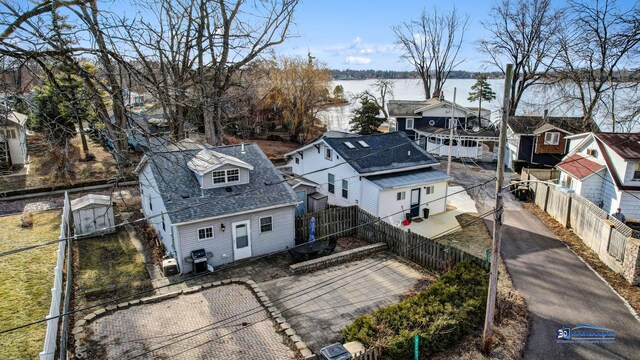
[(185, 201), (527, 124), (392, 151), (404, 107), (408, 178)]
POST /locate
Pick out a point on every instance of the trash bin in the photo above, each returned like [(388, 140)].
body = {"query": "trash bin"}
[(335, 351), (408, 217), (425, 213)]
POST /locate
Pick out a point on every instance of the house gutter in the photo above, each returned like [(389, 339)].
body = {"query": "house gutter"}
[(294, 203), (417, 167)]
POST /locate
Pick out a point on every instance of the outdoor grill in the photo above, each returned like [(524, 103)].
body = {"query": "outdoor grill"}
[(199, 258)]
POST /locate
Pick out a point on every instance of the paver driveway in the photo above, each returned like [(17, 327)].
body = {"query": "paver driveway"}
[(320, 304), (225, 322)]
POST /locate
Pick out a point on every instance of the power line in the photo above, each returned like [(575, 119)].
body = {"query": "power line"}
[(229, 265)]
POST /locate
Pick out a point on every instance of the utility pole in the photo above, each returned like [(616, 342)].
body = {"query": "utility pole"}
[(451, 126), (497, 220)]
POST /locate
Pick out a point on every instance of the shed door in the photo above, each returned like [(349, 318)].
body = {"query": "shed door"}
[(87, 217), (101, 218)]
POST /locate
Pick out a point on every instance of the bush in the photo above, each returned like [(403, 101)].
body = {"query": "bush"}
[(440, 315)]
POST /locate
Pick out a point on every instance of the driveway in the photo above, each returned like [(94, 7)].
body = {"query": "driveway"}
[(560, 290), (225, 322), (319, 305)]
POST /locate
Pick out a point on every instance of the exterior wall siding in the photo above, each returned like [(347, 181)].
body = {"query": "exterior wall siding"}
[(149, 194), (18, 146), (221, 245), (390, 206), (541, 148), (207, 179), (610, 195), (629, 204), (370, 197), (591, 188), (312, 160)]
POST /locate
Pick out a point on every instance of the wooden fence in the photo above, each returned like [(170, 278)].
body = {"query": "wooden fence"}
[(370, 354), (612, 240), (354, 221)]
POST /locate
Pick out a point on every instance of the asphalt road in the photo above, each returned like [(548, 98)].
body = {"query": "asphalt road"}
[(560, 290)]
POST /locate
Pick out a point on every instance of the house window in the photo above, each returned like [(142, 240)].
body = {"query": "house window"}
[(297, 161), (225, 176), (266, 224), (331, 183), (205, 233), (328, 154), (218, 177), (431, 189), (9, 133), (592, 152), (552, 138), (233, 175), (409, 124), (636, 171), (401, 195), (345, 189)]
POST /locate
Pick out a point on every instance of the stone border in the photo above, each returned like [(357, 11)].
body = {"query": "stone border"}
[(295, 342), (337, 258)]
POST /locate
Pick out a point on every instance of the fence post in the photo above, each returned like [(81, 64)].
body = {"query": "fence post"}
[(568, 216), (546, 199)]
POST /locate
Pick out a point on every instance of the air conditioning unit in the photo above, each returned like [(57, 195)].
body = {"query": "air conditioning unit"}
[(169, 267)]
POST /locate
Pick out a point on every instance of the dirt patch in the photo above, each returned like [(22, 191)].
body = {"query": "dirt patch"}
[(274, 150), (350, 242), (473, 238), (620, 284)]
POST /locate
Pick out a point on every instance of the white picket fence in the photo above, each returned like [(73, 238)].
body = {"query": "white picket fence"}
[(51, 335)]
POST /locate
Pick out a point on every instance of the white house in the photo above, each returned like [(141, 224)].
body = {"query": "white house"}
[(605, 169), (13, 139), (385, 174), (219, 204)]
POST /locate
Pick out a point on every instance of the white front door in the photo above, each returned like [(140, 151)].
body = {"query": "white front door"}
[(241, 239)]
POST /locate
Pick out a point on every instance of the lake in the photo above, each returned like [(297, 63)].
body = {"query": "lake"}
[(535, 100)]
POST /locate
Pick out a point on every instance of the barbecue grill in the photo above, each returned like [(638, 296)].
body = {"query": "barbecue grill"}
[(199, 259)]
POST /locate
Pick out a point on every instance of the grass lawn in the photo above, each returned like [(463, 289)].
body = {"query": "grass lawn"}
[(25, 282), (104, 263)]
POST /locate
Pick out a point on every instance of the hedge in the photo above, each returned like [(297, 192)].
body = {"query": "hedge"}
[(440, 315)]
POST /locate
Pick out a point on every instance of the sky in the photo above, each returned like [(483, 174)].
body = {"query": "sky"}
[(356, 34)]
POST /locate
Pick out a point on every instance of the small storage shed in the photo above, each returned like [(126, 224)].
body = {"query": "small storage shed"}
[(93, 214)]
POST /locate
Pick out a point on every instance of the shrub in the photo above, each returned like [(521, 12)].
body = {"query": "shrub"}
[(440, 315)]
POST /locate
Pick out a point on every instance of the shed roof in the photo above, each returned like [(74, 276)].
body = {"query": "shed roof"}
[(13, 118), (91, 199)]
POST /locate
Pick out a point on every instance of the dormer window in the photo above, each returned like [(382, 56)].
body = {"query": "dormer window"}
[(636, 171), (225, 176), (592, 152)]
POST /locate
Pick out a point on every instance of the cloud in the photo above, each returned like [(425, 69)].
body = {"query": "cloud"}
[(357, 40), (357, 60)]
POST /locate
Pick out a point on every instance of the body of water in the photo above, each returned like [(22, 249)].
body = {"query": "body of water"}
[(535, 100)]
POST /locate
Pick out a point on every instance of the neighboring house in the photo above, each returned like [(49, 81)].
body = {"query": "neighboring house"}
[(310, 199), (227, 202), (384, 174), (540, 141), (13, 139), (429, 121), (605, 169)]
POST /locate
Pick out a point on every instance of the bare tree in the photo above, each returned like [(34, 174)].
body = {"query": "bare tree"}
[(523, 33), (431, 44), (598, 41), (382, 89)]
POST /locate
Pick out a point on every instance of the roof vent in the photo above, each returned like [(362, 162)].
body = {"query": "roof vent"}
[(409, 153), (228, 189), (363, 144), (185, 196), (242, 149), (349, 145)]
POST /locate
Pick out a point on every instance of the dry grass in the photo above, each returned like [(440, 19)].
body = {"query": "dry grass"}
[(274, 150), (620, 284), (473, 238), (108, 267), (25, 282)]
